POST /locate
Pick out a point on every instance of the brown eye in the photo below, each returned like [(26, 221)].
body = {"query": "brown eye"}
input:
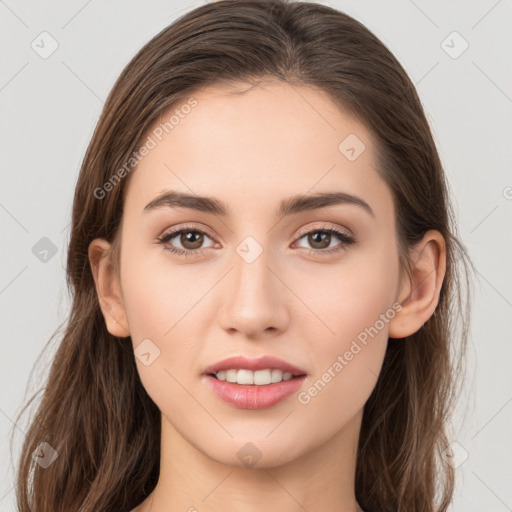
[(191, 239), (185, 241), (319, 239)]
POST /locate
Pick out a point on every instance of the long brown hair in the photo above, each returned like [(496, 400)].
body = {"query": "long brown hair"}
[(96, 414)]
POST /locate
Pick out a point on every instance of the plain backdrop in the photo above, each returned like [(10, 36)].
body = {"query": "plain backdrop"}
[(457, 53)]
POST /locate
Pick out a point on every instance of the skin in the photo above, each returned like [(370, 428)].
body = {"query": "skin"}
[(251, 151)]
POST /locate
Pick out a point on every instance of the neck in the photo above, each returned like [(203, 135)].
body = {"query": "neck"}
[(322, 478)]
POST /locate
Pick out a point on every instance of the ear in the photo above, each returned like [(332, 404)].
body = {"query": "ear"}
[(419, 291), (108, 288)]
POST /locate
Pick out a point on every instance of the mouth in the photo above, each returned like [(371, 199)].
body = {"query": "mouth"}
[(246, 377), (253, 396), (263, 370), (248, 383)]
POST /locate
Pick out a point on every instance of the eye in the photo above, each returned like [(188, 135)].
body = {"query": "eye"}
[(190, 238), (320, 239)]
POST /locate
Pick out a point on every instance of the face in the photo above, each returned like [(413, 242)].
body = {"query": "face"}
[(257, 280)]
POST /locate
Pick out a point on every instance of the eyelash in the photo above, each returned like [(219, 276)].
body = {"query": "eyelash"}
[(345, 241)]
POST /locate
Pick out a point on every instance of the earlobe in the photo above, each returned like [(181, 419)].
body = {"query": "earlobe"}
[(107, 288), (420, 290)]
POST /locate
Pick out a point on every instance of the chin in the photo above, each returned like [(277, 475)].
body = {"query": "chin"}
[(255, 452)]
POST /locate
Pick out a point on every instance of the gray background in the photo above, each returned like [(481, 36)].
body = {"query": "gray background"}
[(51, 105)]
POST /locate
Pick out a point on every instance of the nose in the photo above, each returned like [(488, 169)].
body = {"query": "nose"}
[(255, 299)]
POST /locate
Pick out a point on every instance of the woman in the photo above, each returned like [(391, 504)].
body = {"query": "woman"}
[(266, 281)]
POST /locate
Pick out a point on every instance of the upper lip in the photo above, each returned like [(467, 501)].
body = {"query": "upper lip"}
[(260, 363)]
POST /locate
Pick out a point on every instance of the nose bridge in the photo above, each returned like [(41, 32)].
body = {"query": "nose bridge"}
[(254, 296)]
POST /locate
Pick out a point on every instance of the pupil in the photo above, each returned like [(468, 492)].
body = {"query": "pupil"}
[(188, 237), (324, 242)]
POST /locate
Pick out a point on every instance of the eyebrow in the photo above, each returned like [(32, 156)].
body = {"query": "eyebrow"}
[(290, 206)]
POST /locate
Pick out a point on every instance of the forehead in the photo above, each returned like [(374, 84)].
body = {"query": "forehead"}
[(252, 145)]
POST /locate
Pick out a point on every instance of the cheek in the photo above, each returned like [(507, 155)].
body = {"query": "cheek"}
[(159, 303), (347, 299), (164, 302), (347, 363), (348, 345), (159, 297)]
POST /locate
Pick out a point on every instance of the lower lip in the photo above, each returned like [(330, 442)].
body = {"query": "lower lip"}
[(254, 397)]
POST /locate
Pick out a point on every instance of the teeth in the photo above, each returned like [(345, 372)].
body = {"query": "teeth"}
[(258, 378)]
